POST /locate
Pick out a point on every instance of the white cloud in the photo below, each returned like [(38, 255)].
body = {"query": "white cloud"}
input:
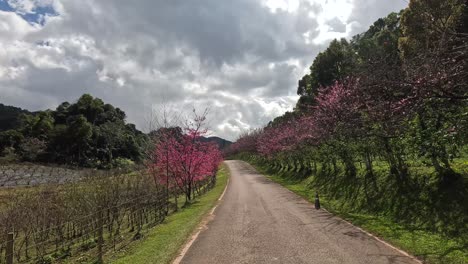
[(285, 5), (13, 27)]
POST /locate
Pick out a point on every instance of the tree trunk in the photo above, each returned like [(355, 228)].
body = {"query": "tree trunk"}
[(396, 164)]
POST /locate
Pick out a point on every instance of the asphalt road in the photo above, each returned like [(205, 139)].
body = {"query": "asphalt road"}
[(259, 221)]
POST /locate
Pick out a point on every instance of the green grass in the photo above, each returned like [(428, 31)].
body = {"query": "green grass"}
[(162, 244), (427, 246)]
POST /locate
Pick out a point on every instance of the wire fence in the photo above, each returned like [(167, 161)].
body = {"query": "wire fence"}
[(83, 221)]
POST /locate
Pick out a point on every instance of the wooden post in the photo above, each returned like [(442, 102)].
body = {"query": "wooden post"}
[(100, 235), (317, 201), (9, 249)]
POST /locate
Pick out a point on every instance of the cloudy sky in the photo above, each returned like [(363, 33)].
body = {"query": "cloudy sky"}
[(240, 58)]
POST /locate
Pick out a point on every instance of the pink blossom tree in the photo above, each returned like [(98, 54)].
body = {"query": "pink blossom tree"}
[(182, 159)]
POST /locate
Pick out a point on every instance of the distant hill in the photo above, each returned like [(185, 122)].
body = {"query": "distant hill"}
[(9, 116), (221, 142)]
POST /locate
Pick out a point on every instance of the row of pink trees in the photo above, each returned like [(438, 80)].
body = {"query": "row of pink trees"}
[(356, 118), (181, 160), (335, 113)]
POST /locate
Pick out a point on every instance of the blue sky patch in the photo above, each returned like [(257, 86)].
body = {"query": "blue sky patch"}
[(37, 17)]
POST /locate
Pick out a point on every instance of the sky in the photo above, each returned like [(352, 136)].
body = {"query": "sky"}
[(241, 59)]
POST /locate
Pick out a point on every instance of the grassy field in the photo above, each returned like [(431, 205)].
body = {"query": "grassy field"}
[(162, 244), (430, 247)]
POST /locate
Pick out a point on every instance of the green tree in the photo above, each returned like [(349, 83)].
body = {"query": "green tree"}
[(379, 45), (10, 139), (37, 125), (333, 64), (59, 147), (79, 132), (61, 113), (89, 107), (426, 24), (110, 114)]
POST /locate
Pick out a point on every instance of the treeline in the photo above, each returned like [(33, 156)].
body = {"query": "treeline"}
[(86, 133), (384, 117)]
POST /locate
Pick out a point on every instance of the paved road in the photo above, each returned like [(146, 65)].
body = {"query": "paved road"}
[(259, 221)]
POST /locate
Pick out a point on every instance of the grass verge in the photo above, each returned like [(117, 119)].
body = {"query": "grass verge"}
[(429, 247), (162, 244)]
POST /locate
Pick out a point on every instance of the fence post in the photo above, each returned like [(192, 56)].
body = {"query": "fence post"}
[(9, 248), (100, 236), (317, 201)]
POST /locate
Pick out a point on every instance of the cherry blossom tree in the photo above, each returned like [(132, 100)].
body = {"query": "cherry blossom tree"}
[(182, 160)]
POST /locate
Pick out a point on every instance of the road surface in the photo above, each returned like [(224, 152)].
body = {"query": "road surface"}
[(259, 221)]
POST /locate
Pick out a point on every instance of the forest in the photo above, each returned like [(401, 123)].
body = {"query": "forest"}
[(87, 133), (382, 121)]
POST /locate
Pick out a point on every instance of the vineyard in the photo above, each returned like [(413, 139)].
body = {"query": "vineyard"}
[(81, 221)]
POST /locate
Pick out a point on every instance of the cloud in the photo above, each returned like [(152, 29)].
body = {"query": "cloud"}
[(336, 25), (240, 58), (13, 27)]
